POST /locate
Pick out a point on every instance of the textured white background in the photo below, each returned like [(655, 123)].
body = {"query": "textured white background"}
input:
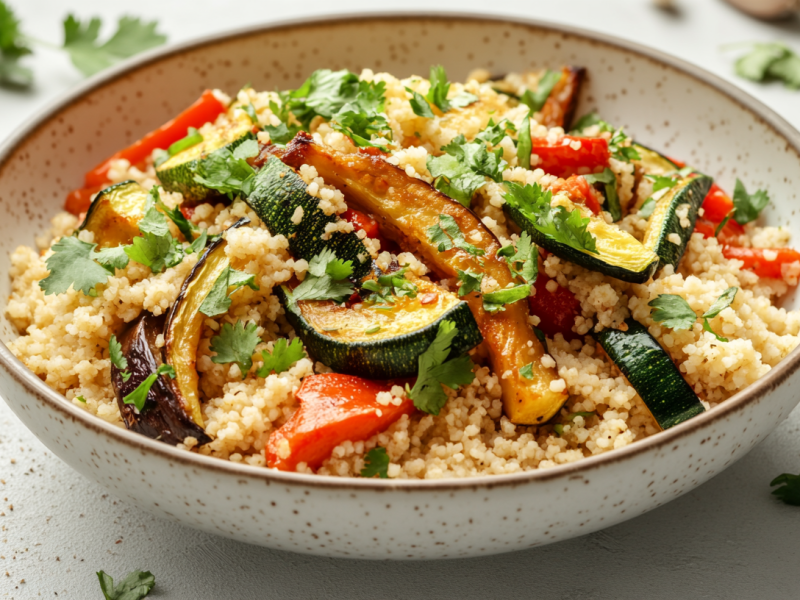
[(729, 539)]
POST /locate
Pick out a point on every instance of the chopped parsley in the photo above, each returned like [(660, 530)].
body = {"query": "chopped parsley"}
[(237, 344), (135, 586), (363, 117), (229, 172), (748, 206), (440, 87), (326, 279), (282, 357), (118, 358), (587, 121), (524, 260), (470, 282), (447, 235), (535, 99), (524, 143), (609, 181), (218, 301), (251, 113), (390, 286), (674, 312), (494, 133), (495, 301), (771, 61), (526, 371), (376, 462), (556, 223), (464, 168), (789, 490), (436, 370), (138, 397)]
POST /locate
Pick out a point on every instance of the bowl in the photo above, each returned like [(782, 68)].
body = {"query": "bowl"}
[(667, 103)]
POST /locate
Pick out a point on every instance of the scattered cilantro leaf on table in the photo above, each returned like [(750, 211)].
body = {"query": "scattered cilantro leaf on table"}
[(535, 99), (748, 206), (117, 358), (558, 224), (770, 61), (135, 586), (524, 260), (326, 279), (237, 344), (376, 462), (447, 235), (282, 357), (789, 490), (13, 46), (435, 370), (72, 264), (495, 301), (138, 397)]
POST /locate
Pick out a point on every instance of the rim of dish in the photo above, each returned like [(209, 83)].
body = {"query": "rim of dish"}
[(776, 376)]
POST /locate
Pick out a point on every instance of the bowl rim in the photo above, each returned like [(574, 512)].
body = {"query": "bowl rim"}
[(17, 370)]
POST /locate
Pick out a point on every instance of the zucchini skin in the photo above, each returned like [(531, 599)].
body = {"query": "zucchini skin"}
[(653, 162), (276, 194), (651, 372), (690, 190), (389, 358)]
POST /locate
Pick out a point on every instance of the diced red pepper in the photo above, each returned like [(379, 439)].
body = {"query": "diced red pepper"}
[(578, 190), (361, 221), (206, 109), (78, 201), (562, 160), (728, 235), (717, 204), (333, 408), (754, 259), (556, 310)]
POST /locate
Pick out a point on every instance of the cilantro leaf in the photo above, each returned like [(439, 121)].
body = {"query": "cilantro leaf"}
[(672, 311), (435, 370), (609, 181), (135, 586), (186, 227), (526, 371), (138, 397), (620, 151), (282, 357), (556, 223), (13, 46), (388, 287), (789, 492), (724, 222), (770, 61), (251, 113), (470, 282), (462, 170), (326, 279), (588, 120), (323, 94), (495, 301), (117, 357), (155, 251), (279, 134), (89, 56), (748, 206), (463, 99), (419, 104), (494, 133), (446, 235), (440, 86), (661, 182), (376, 463), (218, 301), (787, 69), (228, 172), (236, 344), (111, 258), (724, 301), (535, 99), (71, 264), (361, 118), (200, 243), (524, 143), (526, 254)]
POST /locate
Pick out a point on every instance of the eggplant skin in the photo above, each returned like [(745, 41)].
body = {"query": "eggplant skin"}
[(163, 416)]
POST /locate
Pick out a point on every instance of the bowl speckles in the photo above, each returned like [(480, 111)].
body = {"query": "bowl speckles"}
[(665, 102)]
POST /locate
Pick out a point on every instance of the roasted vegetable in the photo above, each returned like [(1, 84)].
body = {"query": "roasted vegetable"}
[(559, 109), (334, 408), (406, 208), (185, 323), (380, 340), (165, 415), (114, 214), (651, 162)]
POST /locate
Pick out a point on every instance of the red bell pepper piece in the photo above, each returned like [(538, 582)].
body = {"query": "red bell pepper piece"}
[(361, 221), (754, 259), (579, 190), (78, 201), (556, 310), (717, 204), (206, 109), (728, 235), (333, 408), (563, 160)]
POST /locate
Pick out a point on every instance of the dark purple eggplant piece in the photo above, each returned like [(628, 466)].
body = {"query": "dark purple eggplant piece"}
[(163, 416)]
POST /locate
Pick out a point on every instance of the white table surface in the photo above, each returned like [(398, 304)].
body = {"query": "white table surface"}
[(728, 539)]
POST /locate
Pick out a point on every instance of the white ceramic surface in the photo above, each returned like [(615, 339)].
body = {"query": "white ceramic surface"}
[(665, 103)]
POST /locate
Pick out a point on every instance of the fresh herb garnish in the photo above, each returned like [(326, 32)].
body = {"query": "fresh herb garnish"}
[(184, 225), (72, 264), (138, 397), (218, 300), (556, 223), (535, 99), (495, 301), (228, 172), (494, 133), (768, 62), (280, 134), (724, 222), (524, 143), (470, 282), (419, 104), (587, 121), (237, 344), (435, 370), (193, 137), (118, 358), (390, 286), (609, 181), (748, 206), (282, 357), (326, 279), (524, 261), (619, 151), (446, 235), (674, 312), (13, 46), (526, 371), (155, 248), (362, 117), (81, 399), (376, 462), (372, 329), (135, 586), (721, 303), (789, 492), (251, 113), (440, 87), (464, 168), (580, 413), (647, 208)]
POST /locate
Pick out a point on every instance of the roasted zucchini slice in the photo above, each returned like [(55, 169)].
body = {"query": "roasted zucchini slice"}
[(113, 216), (185, 323), (665, 234), (279, 196), (619, 254), (652, 373), (177, 173), (406, 208), (166, 416), (380, 341)]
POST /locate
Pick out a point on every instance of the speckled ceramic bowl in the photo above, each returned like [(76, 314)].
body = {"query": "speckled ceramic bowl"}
[(666, 102)]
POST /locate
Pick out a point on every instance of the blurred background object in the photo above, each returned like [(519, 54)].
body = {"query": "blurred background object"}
[(768, 9)]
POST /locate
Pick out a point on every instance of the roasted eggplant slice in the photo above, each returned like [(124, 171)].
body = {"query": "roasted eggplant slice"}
[(559, 109), (406, 208), (165, 415), (115, 213), (185, 322)]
